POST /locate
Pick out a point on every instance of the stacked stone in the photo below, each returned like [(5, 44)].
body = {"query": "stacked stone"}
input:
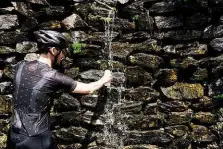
[(168, 55)]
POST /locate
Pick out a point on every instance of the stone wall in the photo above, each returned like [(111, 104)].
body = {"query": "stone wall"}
[(167, 61)]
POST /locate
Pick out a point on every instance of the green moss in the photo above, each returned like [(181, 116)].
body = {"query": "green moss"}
[(77, 47), (135, 17), (219, 96)]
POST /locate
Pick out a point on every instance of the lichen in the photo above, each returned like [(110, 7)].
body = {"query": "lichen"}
[(77, 47)]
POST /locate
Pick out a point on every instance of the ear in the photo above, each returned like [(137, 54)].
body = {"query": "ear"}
[(53, 51)]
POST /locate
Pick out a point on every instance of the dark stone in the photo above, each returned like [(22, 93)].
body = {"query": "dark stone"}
[(123, 25), (70, 146), (135, 8), (135, 75), (140, 122), (150, 109), (205, 118), (51, 25), (5, 87), (217, 44), (4, 126), (8, 72), (116, 65), (12, 37), (142, 146), (144, 22), (176, 118), (184, 63), (183, 91), (145, 137), (100, 37), (73, 21), (66, 102), (196, 21), (167, 22), (50, 13), (204, 103), (192, 49), (77, 36), (29, 24), (89, 118), (166, 77), (72, 72), (8, 21), (23, 8), (5, 102), (7, 10), (211, 61), (173, 106), (42, 2), (141, 94), (218, 70), (221, 20), (178, 130), (71, 118), (202, 134), (26, 47), (89, 101), (134, 37), (163, 7), (70, 135), (6, 50), (200, 74), (213, 32), (146, 60), (130, 107)]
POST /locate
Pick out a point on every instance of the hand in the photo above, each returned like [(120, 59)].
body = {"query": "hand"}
[(107, 76)]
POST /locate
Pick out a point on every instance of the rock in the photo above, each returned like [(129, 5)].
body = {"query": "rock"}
[(134, 37), (166, 77), (136, 76), (73, 21), (90, 118), (129, 107), (142, 146), (4, 126), (178, 130), (181, 91), (72, 72), (29, 24), (163, 7), (70, 135), (50, 13), (5, 87), (167, 22), (144, 22), (151, 109), (141, 93), (221, 20), (205, 118), (203, 104), (8, 21), (123, 1), (71, 118), (173, 106), (193, 49), (123, 25), (139, 122), (218, 70), (89, 101), (74, 146), (146, 60), (176, 118), (215, 89), (8, 72), (202, 134), (211, 62), (23, 8), (135, 8), (7, 10), (26, 47), (184, 63), (51, 25), (151, 137), (3, 140), (42, 2), (31, 57), (200, 74), (121, 50), (5, 102), (65, 103), (6, 50), (116, 65), (92, 74), (12, 37), (77, 36), (197, 20), (217, 44), (213, 32)]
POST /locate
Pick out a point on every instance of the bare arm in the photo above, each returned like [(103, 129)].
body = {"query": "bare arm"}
[(87, 88)]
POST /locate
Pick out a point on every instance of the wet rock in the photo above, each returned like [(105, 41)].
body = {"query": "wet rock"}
[(73, 21), (176, 118), (184, 63), (3, 140), (8, 72), (123, 1), (204, 103), (12, 37), (135, 37), (65, 103), (183, 91), (4, 125), (217, 129), (142, 146), (146, 60), (193, 49), (173, 106), (218, 70), (42, 2), (178, 130), (215, 89), (5, 87), (29, 24), (8, 21), (135, 8), (6, 50), (87, 50), (26, 47), (139, 122), (167, 22), (141, 94), (163, 7), (92, 74), (100, 37), (122, 50), (70, 146), (130, 107), (23, 8), (67, 64), (5, 102), (116, 65), (166, 77), (217, 44), (31, 57), (151, 109), (89, 101), (213, 32), (50, 13), (144, 22), (142, 137), (221, 20), (51, 25), (76, 36), (180, 35), (211, 62), (70, 135), (71, 118), (196, 21), (7, 10), (72, 72), (205, 118), (200, 74), (135, 75), (123, 25), (202, 134), (90, 118)]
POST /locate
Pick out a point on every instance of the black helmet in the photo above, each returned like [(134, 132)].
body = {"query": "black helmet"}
[(51, 38)]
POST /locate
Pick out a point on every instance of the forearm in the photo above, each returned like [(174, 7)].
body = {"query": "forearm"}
[(96, 85)]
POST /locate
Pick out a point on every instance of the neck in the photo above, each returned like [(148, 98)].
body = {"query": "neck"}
[(45, 59)]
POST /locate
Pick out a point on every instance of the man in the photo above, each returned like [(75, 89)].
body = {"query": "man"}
[(34, 83)]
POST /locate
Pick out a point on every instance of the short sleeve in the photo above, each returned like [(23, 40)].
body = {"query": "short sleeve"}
[(65, 82)]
